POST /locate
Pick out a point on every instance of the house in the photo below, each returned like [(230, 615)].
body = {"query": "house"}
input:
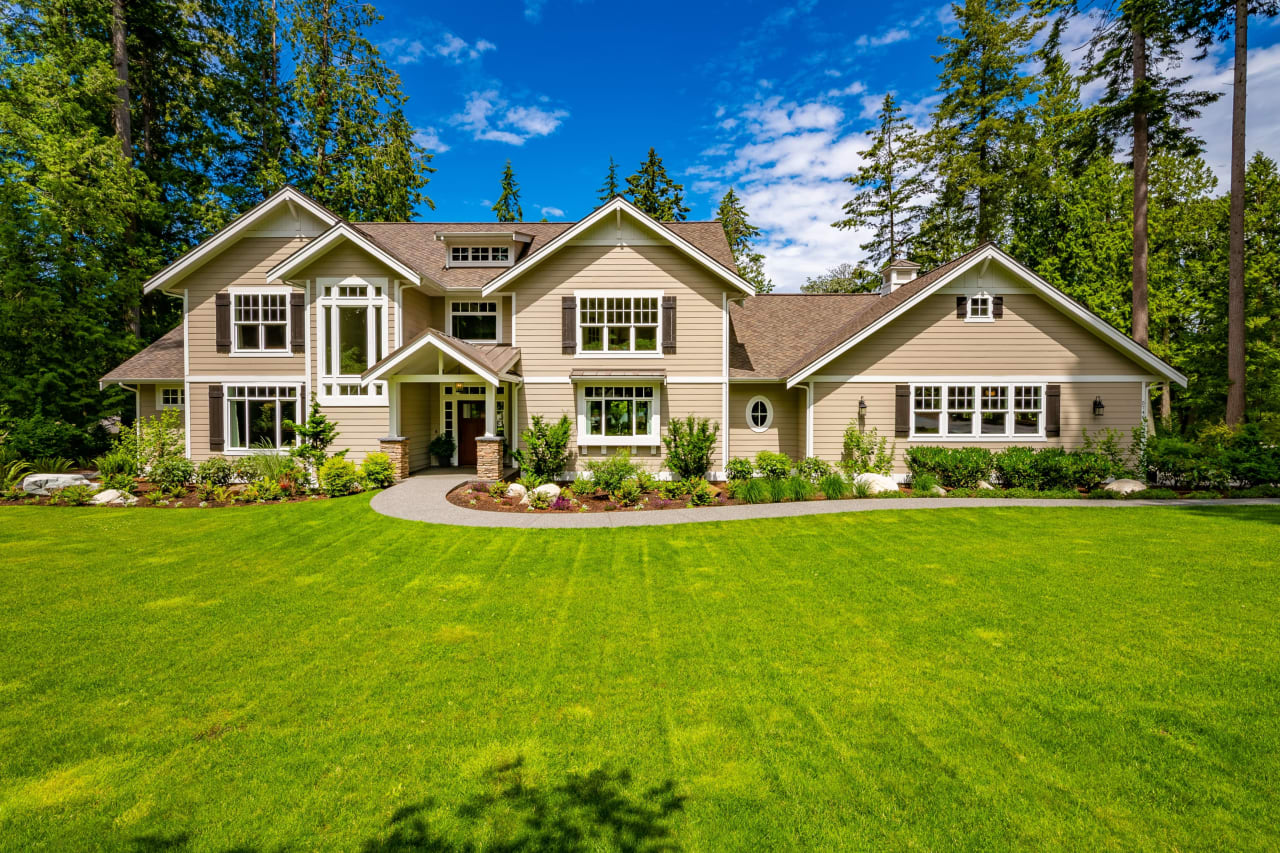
[(403, 331)]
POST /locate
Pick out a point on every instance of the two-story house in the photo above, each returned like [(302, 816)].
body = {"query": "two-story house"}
[(404, 331)]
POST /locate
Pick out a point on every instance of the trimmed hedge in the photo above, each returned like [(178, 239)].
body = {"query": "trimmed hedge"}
[(1048, 469), (1240, 458), (954, 467)]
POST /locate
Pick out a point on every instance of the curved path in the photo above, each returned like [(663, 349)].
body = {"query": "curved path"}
[(422, 498)]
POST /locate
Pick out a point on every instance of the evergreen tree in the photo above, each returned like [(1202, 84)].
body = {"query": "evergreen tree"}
[(651, 190), (610, 187), (507, 208), (843, 278), (888, 185), (740, 233)]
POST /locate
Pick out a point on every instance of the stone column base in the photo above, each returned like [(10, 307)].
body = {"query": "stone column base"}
[(489, 458), (398, 450)]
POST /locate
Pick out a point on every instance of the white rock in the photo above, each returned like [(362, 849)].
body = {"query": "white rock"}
[(877, 483), (515, 490), (938, 492), (43, 484), (551, 490), (1124, 487), (983, 484), (107, 496)]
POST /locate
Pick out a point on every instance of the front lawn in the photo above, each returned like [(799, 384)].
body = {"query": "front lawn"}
[(315, 676)]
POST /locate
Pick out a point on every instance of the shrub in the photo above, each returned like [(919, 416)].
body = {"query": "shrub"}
[(958, 467), (739, 469), (117, 460), (701, 493), (1054, 469), (1106, 442), (546, 447), (1015, 467), (160, 437), (120, 482), (377, 471), (1255, 492), (223, 494), (77, 495), (672, 490), (866, 452), (1059, 494), (1092, 469), (1153, 494), (860, 488), (539, 500), (530, 481), (1250, 457), (442, 447), (1173, 461), (51, 465), (793, 488), (813, 469), (774, 466), (562, 502), (171, 472), (498, 490), (338, 477), (215, 471), (12, 472), (833, 486), (752, 491), (925, 483), (314, 437), (646, 480), (1204, 496), (267, 490), (29, 438), (626, 493), (690, 442), (609, 473)]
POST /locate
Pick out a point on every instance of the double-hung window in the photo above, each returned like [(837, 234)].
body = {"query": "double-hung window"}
[(618, 324), (977, 411), (261, 322), (474, 321), (353, 337), (619, 414), (256, 416)]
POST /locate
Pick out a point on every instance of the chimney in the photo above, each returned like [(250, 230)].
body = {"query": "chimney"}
[(896, 273)]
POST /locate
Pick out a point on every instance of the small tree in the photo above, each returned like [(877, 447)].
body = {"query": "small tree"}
[(610, 187), (315, 436), (866, 452), (690, 443), (507, 207), (160, 438), (546, 452), (652, 190)]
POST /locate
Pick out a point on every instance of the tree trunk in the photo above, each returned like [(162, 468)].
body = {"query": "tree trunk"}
[(120, 62), (1235, 273), (1140, 168)]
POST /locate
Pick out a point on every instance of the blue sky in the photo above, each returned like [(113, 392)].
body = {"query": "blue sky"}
[(770, 98)]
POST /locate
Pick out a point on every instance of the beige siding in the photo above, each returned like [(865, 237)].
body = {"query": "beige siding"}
[(417, 410), (149, 400), (785, 434), (421, 312), (198, 405), (360, 429)]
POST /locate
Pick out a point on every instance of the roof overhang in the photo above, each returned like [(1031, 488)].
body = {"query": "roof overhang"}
[(606, 375), (441, 342), (617, 207), (514, 236), (340, 233), (209, 248), (149, 380), (1068, 305)]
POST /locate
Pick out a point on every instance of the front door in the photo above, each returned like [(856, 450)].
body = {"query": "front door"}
[(470, 427)]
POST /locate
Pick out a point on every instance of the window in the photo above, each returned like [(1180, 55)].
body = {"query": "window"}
[(618, 324), (977, 411), (759, 414), (173, 398), (352, 331), (256, 415), (474, 321), (620, 411), (479, 254), (979, 307), (261, 322)]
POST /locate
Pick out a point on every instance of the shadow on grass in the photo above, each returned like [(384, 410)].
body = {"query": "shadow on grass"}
[(599, 810), (1252, 513)]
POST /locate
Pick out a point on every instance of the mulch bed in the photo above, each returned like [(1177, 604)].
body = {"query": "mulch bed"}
[(478, 492), (145, 492)]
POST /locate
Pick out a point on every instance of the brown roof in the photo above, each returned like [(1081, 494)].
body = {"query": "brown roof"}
[(160, 361), (415, 243), (497, 358)]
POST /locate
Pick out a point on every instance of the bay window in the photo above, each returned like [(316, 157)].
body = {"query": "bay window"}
[(352, 326), (256, 416), (977, 411), (618, 324), (619, 414)]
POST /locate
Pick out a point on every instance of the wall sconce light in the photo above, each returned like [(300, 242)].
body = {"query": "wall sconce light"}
[(862, 407), (1097, 407)]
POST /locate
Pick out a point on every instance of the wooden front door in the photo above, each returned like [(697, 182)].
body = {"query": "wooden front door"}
[(470, 427)]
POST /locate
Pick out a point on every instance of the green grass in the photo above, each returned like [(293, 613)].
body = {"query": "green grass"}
[(315, 676)]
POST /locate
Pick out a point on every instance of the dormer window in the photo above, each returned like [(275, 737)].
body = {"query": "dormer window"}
[(479, 255)]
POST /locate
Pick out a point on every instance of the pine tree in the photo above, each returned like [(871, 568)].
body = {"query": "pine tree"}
[(740, 233), (507, 208), (610, 187), (888, 185), (651, 190)]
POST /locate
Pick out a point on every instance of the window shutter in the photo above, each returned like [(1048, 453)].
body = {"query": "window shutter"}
[(297, 320), (668, 325), (222, 321), (997, 307), (1053, 411), (216, 419), (902, 411), (962, 307), (568, 325)]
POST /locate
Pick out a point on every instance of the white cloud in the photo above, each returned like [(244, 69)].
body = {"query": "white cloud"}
[(489, 116), (403, 51), (533, 10), (887, 37), (857, 87), (552, 211), (429, 139), (457, 50)]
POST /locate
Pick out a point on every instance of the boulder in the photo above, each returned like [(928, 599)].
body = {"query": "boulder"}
[(1125, 487), (515, 490), (983, 484), (107, 496), (43, 484), (877, 483), (551, 490), (938, 492)]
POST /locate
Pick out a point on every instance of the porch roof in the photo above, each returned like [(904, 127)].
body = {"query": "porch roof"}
[(162, 361), (490, 361)]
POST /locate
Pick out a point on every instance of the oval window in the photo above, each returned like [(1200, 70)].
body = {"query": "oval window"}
[(759, 414)]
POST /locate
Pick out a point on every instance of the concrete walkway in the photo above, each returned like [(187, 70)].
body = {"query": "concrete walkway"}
[(422, 498)]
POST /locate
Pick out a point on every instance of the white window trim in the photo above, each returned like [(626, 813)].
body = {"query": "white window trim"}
[(768, 419), (653, 439), (969, 316), (977, 436), (450, 313), (287, 352), (372, 396), (162, 405), (579, 295), (227, 449), (489, 263)]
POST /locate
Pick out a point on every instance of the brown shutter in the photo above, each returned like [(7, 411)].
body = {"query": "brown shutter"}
[(1053, 411), (216, 418), (297, 320), (222, 321), (568, 325), (997, 307), (962, 306), (668, 325), (902, 411)]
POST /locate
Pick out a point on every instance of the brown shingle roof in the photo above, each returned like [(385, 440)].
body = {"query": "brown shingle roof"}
[(415, 243), (160, 361), (498, 358)]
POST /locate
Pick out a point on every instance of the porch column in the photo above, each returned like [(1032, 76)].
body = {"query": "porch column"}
[(393, 407), (490, 413), (395, 445)]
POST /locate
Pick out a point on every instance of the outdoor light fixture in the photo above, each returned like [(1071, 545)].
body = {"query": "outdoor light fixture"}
[(862, 406), (1097, 406)]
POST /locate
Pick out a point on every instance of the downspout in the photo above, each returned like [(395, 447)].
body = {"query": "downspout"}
[(724, 397)]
